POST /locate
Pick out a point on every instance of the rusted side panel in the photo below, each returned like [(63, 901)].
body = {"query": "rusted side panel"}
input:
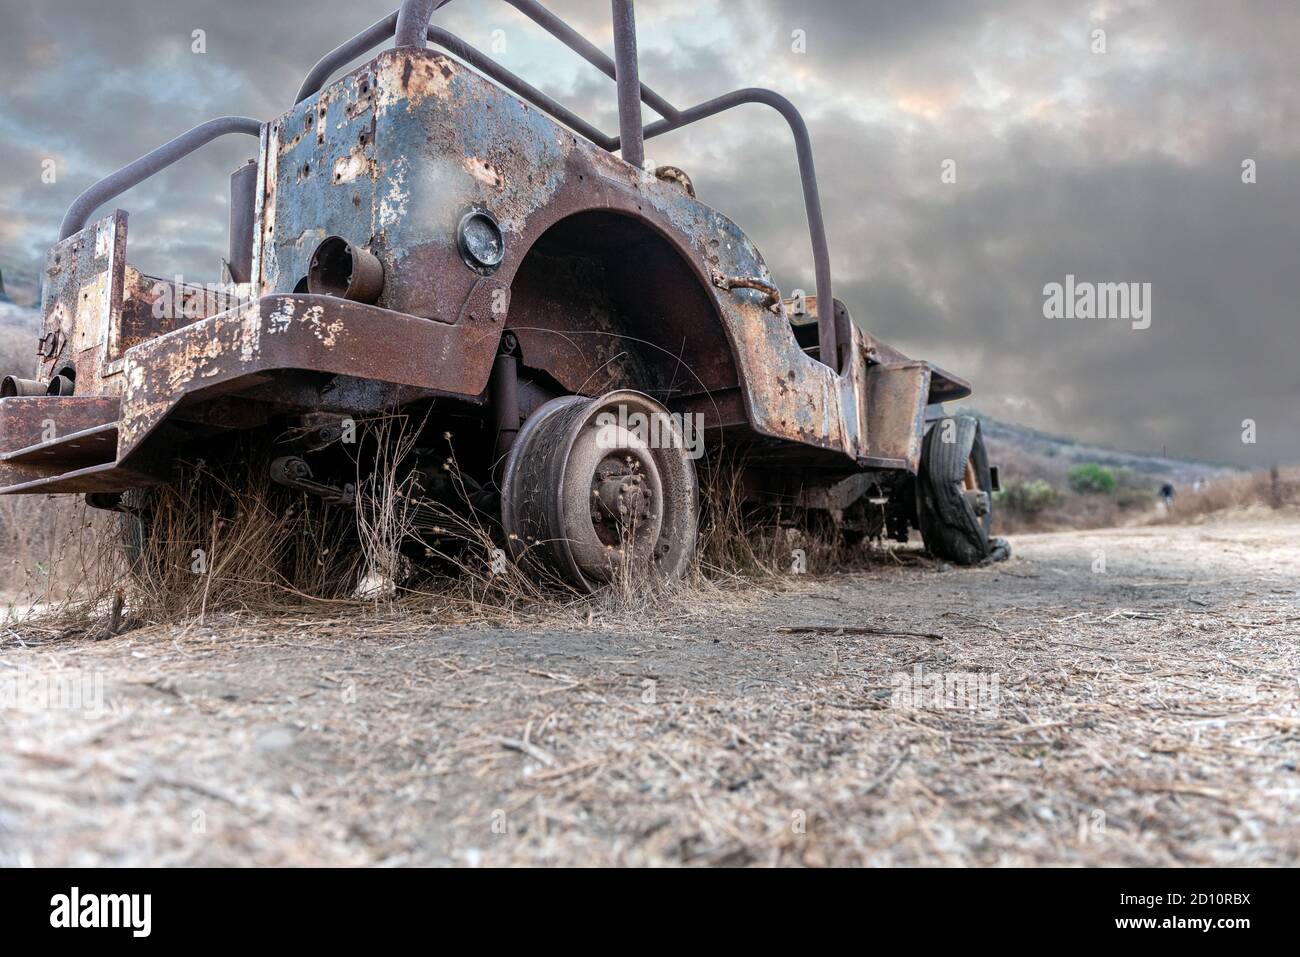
[(896, 396), (31, 429), (82, 302), (27, 421), (96, 306), (154, 307), (944, 385), (445, 139), (320, 178), (235, 350)]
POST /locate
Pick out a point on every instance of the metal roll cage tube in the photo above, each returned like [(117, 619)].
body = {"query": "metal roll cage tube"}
[(411, 28), (135, 173)]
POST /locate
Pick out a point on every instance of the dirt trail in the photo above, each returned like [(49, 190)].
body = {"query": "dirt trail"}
[(1147, 713)]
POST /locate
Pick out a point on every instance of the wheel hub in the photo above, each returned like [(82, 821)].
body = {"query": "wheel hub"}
[(587, 496), (620, 496)]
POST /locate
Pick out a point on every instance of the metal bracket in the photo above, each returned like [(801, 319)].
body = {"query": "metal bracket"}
[(292, 472), (50, 344), (769, 289)]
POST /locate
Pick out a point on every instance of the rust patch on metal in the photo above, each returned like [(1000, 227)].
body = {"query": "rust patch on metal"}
[(483, 171), (223, 354)]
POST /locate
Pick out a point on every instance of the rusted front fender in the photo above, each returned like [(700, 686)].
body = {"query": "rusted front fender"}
[(395, 356)]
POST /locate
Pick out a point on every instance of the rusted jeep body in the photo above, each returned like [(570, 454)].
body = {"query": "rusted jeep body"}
[(611, 276)]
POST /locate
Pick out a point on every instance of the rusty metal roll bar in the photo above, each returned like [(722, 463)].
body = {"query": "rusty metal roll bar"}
[(411, 28), (413, 15), (135, 173), (627, 74), (827, 335)]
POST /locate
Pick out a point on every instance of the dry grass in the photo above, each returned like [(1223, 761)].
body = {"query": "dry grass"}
[(38, 532), (270, 549), (1276, 488), (1019, 509), (739, 542), (228, 539), (1073, 511), (1144, 717), (57, 560)]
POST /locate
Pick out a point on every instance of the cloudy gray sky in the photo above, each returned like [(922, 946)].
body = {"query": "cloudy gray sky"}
[(1115, 166)]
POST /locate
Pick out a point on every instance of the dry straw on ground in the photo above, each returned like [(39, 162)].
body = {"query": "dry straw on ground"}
[(1146, 716), (228, 539)]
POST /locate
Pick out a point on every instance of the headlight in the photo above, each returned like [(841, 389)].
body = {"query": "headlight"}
[(480, 241)]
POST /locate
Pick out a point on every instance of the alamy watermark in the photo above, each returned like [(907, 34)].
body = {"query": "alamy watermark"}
[(656, 430), (54, 691), (129, 911), (1073, 299), (945, 691), (181, 300)]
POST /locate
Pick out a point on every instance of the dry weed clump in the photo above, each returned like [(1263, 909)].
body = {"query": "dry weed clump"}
[(1275, 488), (42, 539), (739, 541), (227, 538), (243, 542), (58, 571), (230, 539)]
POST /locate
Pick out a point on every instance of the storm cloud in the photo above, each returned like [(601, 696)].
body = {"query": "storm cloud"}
[(969, 154)]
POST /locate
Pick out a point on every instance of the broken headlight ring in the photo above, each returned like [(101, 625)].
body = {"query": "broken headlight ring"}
[(479, 239)]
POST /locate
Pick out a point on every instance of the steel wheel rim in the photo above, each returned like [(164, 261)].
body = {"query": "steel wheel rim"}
[(547, 495)]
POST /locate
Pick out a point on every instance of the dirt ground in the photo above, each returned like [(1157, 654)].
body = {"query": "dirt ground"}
[(1049, 710)]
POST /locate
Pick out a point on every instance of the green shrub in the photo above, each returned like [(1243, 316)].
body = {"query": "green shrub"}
[(1026, 498), (1091, 479), (1141, 498)]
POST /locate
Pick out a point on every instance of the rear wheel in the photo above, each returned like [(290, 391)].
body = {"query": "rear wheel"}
[(955, 494), (133, 525), (595, 488)]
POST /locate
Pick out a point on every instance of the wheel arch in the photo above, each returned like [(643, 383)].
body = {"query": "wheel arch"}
[(604, 297)]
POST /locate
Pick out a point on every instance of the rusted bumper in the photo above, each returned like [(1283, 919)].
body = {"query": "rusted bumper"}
[(367, 358)]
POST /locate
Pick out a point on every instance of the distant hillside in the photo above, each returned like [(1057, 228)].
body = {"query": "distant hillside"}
[(1048, 456), (21, 286), (19, 329)]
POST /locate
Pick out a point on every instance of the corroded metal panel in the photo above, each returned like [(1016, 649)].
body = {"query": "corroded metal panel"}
[(30, 425), (97, 306), (236, 350), (440, 139), (896, 395), (82, 301)]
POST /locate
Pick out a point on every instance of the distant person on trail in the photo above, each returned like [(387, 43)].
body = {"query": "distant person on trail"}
[(1167, 495)]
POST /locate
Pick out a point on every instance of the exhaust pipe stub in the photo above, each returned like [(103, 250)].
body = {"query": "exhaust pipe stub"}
[(341, 269), (14, 386)]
